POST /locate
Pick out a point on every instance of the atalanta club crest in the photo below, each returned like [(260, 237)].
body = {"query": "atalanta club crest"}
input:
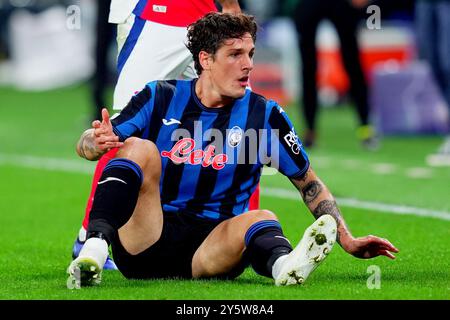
[(234, 136)]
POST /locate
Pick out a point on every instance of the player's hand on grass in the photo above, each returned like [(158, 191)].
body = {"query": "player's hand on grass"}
[(104, 136), (369, 247)]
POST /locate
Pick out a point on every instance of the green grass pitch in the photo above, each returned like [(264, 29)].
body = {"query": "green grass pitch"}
[(43, 190)]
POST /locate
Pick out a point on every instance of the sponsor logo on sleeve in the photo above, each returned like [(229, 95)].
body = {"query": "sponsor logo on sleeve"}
[(292, 141)]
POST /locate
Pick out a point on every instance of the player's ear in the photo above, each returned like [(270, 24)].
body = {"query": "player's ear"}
[(205, 60)]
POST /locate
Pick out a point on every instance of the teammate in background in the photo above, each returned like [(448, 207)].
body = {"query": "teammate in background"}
[(151, 39), (173, 201), (307, 15)]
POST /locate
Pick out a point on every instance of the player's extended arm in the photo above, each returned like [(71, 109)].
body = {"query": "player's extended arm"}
[(230, 6), (320, 201), (99, 139)]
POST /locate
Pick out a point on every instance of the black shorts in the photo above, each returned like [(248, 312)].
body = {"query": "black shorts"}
[(171, 255)]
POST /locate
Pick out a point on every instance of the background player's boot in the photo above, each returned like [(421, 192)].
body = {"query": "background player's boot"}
[(77, 245), (368, 137), (86, 269), (442, 156), (314, 247), (309, 138)]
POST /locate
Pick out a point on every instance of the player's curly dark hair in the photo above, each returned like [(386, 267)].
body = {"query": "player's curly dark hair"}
[(209, 33)]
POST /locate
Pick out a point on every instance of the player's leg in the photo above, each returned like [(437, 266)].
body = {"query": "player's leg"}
[(345, 19), (126, 208), (307, 16), (313, 248), (150, 51), (443, 47), (259, 234), (254, 199), (104, 36), (440, 42), (222, 251)]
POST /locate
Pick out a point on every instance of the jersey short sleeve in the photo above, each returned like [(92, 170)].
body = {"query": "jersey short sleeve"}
[(134, 119), (287, 153)]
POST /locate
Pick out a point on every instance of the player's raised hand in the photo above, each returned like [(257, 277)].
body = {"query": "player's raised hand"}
[(370, 247), (104, 136)]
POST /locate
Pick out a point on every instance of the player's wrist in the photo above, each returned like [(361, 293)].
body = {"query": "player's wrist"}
[(346, 240), (87, 148)]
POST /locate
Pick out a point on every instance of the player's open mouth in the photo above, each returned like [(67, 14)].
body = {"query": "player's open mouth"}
[(243, 81)]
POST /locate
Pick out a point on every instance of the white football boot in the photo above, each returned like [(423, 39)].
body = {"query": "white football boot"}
[(86, 269), (316, 244)]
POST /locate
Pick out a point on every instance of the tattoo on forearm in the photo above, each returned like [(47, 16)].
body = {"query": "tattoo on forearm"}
[(311, 191), (87, 146), (81, 147), (329, 207)]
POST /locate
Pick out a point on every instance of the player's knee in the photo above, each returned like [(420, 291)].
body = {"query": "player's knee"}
[(260, 215), (144, 152)]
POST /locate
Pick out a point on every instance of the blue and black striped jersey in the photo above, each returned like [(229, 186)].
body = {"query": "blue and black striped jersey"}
[(212, 158)]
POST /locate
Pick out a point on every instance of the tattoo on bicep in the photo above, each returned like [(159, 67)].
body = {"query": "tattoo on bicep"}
[(311, 191)]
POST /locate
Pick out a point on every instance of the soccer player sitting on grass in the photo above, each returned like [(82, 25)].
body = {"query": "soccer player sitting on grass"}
[(173, 202)]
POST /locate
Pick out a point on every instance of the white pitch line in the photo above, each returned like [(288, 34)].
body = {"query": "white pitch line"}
[(419, 173), (384, 168), (50, 164), (358, 204), (86, 167), (323, 162)]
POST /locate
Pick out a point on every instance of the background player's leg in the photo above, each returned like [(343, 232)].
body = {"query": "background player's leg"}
[(140, 61), (254, 200), (103, 38), (345, 19), (101, 164), (81, 238), (307, 17)]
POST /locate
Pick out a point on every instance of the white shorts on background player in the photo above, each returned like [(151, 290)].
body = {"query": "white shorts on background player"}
[(159, 54)]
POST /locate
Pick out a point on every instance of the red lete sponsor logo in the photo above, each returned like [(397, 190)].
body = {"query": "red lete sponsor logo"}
[(183, 151)]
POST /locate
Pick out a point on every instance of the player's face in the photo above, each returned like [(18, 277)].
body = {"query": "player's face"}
[(231, 66)]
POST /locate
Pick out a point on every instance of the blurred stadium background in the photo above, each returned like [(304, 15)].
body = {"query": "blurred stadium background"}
[(46, 69)]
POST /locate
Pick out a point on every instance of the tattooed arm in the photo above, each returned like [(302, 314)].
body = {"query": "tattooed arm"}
[(98, 140), (320, 201)]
